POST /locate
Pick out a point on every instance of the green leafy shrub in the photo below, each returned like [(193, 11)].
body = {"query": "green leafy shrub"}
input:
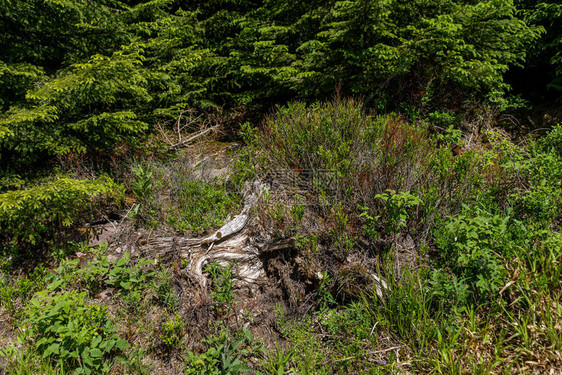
[(450, 135), (41, 212), (553, 140), (221, 286), (71, 333), (142, 186), (473, 244), (307, 244), (173, 331), (369, 223), (396, 206), (15, 292), (535, 171), (297, 212), (339, 231), (542, 203), (126, 277), (67, 273), (448, 182), (162, 286), (131, 280), (223, 357)]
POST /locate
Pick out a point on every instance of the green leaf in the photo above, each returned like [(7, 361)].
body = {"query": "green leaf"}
[(122, 344), (96, 353), (52, 349)]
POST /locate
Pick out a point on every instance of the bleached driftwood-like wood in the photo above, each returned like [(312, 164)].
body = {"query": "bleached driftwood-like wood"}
[(227, 251), (163, 245), (232, 227), (252, 193), (224, 245)]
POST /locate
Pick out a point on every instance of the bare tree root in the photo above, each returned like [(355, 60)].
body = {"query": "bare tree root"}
[(226, 245), (257, 261)]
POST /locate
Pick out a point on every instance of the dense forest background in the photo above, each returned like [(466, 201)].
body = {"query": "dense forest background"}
[(83, 76), (439, 118)]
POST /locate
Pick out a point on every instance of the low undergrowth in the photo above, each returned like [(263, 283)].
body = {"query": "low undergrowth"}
[(49, 212), (406, 256), (174, 194), (469, 243)]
